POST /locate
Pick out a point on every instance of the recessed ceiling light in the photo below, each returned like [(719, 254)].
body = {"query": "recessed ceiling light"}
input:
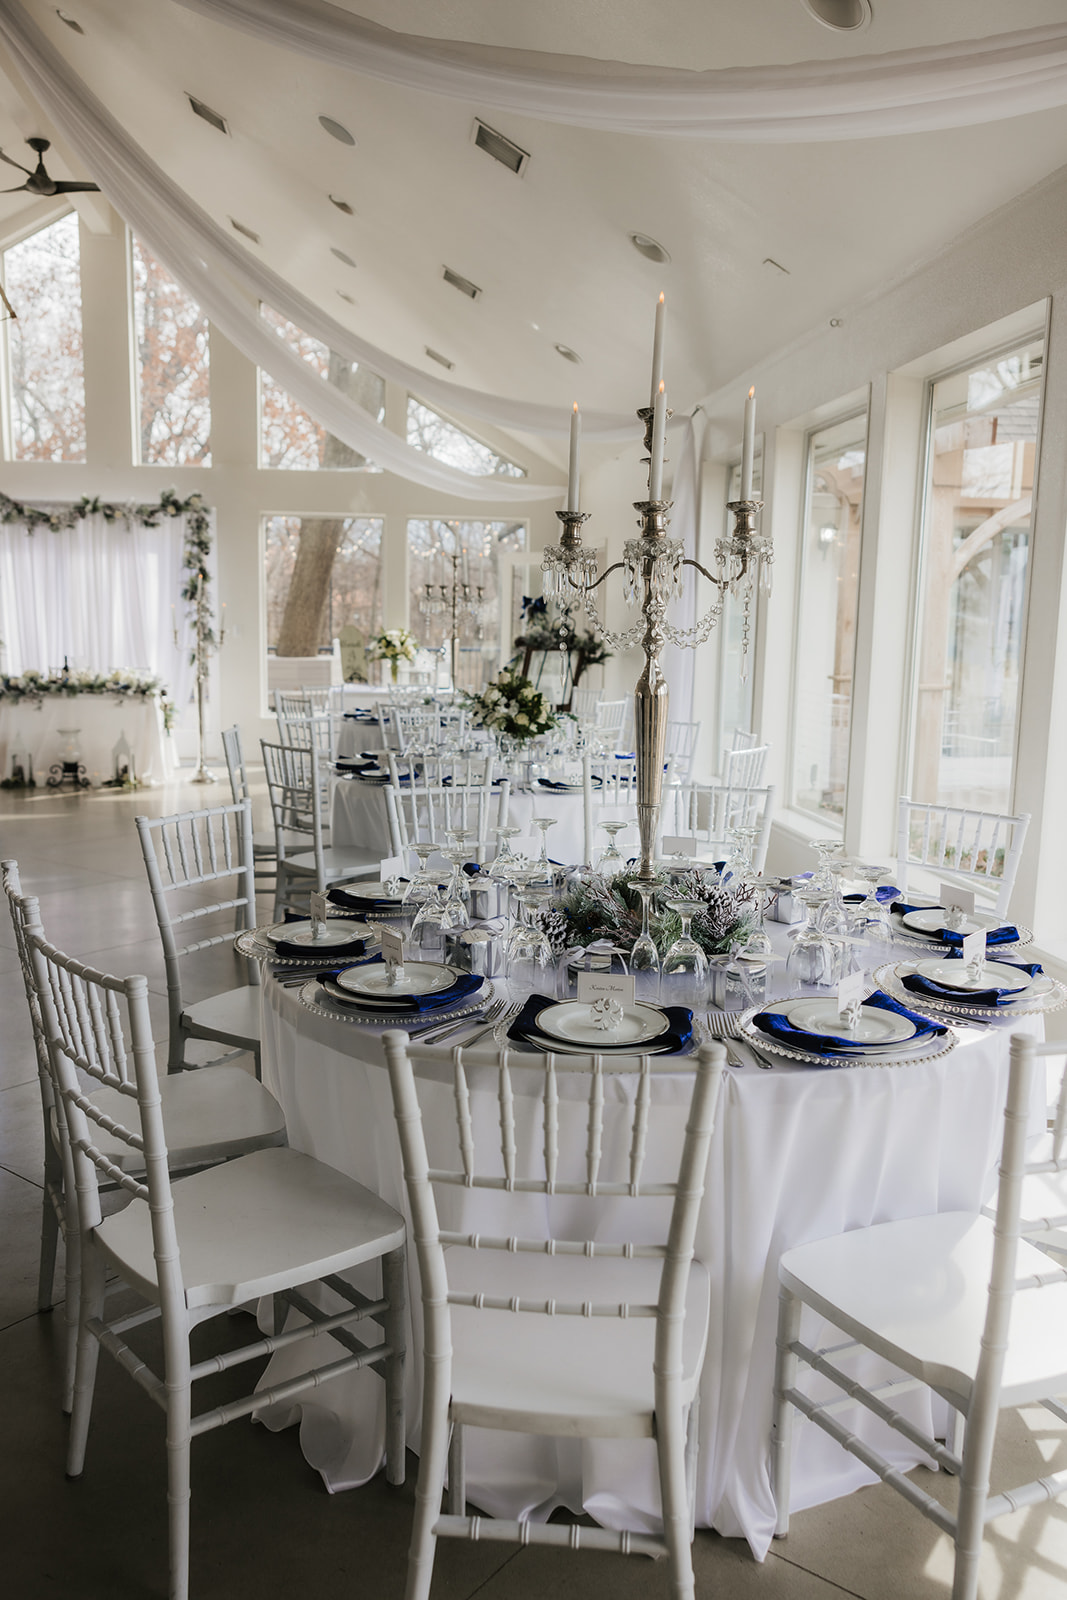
[(342, 205), (568, 354), (458, 281), (650, 248), (442, 361), (843, 16), (336, 130), (216, 119), (248, 233), (347, 297), (536, 326), (502, 149), (341, 256), (70, 21)]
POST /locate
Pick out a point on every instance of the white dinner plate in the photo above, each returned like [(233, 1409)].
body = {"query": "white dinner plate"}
[(420, 977), (303, 933), (369, 891), (873, 1026), (995, 975), (930, 919), (573, 1021)]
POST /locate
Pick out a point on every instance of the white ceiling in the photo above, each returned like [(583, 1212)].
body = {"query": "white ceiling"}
[(551, 250)]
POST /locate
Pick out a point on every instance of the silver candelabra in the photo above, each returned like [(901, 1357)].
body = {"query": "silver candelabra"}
[(652, 567), (464, 601)]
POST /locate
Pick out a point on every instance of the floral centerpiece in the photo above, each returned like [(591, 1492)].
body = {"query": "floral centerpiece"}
[(592, 909), (122, 683), (394, 645), (511, 706)]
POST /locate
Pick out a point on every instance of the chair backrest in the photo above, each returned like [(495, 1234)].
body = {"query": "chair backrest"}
[(319, 731), (99, 1026), (185, 852), (295, 791), (440, 768), (305, 702), (584, 703), (420, 812), (235, 763), (743, 739), (743, 768), (610, 716), (681, 747), (980, 848), (513, 1130), (26, 918), (705, 813)]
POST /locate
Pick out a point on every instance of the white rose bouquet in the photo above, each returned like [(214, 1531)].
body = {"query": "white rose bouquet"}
[(511, 705), (394, 645)]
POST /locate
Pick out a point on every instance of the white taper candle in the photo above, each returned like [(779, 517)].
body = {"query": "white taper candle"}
[(573, 470), (657, 350), (748, 445), (659, 428)]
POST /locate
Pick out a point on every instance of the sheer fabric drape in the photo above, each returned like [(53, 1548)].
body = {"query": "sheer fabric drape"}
[(99, 594)]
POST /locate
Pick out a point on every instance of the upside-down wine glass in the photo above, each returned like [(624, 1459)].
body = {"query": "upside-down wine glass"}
[(611, 862), (869, 921), (644, 957), (457, 896), (544, 823), (812, 962), (684, 974), (528, 953), (506, 859)]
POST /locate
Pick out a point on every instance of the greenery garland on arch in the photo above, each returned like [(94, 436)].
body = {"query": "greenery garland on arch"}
[(195, 551)]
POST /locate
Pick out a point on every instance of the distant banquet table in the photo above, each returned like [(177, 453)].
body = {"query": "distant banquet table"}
[(40, 735)]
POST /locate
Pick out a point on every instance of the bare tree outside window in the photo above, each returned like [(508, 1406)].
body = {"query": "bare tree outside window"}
[(353, 591), (173, 368), (289, 437), (42, 277), (445, 442)]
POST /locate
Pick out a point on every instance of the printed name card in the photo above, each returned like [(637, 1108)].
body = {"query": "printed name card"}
[(392, 948), (852, 991), (392, 867), (320, 910), (954, 899), (973, 949), (606, 986)]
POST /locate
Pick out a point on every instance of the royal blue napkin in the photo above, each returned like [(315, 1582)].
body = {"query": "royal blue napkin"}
[(778, 1027), (337, 952), (565, 788), (678, 1037), (1007, 934), (917, 984), (352, 902), (465, 984), (881, 895)]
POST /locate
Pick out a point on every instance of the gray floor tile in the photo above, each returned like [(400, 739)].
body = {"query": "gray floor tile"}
[(22, 1130), (20, 1207)]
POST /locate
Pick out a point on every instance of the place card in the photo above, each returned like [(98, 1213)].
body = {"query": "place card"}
[(392, 948), (852, 991), (593, 986), (954, 899), (320, 911), (973, 950)]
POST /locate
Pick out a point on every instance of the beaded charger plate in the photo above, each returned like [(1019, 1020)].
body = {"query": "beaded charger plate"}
[(251, 942), (1044, 994), (922, 941), (893, 1056), (313, 997)]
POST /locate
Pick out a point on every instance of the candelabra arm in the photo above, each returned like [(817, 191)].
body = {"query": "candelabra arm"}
[(720, 583), (616, 566)]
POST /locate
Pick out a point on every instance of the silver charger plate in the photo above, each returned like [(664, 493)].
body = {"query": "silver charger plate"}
[(1036, 998), (302, 933), (313, 997), (925, 942), (251, 943), (875, 1028), (928, 1050)]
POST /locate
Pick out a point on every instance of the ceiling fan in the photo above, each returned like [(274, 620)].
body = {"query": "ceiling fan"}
[(37, 181)]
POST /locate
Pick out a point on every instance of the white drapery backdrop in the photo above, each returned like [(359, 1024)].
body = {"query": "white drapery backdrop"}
[(862, 97), (101, 595)]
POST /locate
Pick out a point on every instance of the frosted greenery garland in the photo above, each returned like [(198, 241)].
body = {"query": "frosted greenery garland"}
[(592, 909), (195, 552)]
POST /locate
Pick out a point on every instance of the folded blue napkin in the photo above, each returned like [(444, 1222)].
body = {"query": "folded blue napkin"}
[(678, 1038), (917, 984), (888, 892), (778, 1027), (337, 952), (565, 788), (352, 902), (1007, 934), (465, 984)]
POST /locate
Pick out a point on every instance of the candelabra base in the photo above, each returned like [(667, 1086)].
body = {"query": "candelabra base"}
[(202, 775)]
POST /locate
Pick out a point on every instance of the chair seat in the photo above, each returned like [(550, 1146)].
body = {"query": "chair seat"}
[(257, 1225), (208, 1116), (916, 1293), (564, 1375), (340, 862), (231, 1017)]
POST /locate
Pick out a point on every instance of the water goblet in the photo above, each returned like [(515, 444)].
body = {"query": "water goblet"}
[(427, 929), (528, 953), (611, 862), (506, 859), (870, 919), (544, 823), (826, 850), (758, 942), (454, 913), (644, 957), (684, 973), (811, 963)]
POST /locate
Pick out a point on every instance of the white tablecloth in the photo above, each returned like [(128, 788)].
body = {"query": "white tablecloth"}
[(359, 818), (29, 730), (356, 735), (798, 1154)]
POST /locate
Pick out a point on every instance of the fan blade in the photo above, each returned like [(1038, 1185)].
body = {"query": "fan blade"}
[(18, 164), (18, 189), (76, 188)]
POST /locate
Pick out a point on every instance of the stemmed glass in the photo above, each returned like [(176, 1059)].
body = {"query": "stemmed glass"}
[(506, 860), (811, 962), (424, 884), (644, 957), (528, 954), (684, 974), (454, 913), (544, 823), (611, 862), (869, 921), (758, 942), (428, 928), (826, 850)]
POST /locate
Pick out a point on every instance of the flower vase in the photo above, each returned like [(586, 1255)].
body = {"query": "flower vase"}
[(394, 667)]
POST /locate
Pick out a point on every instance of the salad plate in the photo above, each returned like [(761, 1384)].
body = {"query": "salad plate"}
[(874, 1027), (419, 978), (574, 1022)]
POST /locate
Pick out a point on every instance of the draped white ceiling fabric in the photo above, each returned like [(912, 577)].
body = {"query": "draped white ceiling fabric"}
[(903, 91), (102, 594), (228, 281)]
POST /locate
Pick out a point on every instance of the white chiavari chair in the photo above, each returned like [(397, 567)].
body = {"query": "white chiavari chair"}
[(305, 702), (743, 768), (584, 703), (562, 1335), (958, 1301), (680, 749), (319, 732), (298, 799), (979, 848), (697, 819), (441, 766), (270, 1223), (208, 850), (610, 717), (263, 845), (422, 812)]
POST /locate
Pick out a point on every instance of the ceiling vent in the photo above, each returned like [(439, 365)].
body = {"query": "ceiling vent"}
[(442, 361), (650, 248), (336, 130), (464, 285), (70, 21), (503, 150), (214, 117), (248, 232), (568, 354), (341, 256)]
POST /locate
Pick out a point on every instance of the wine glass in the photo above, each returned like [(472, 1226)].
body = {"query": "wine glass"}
[(811, 963), (544, 823), (427, 929), (758, 942), (684, 974), (826, 850), (506, 859), (611, 862), (528, 953), (869, 921), (454, 913), (644, 957)]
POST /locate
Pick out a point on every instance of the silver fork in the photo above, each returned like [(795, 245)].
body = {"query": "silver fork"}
[(436, 1035), (724, 1024)]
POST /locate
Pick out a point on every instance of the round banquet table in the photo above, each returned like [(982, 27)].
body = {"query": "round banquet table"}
[(358, 818), (798, 1154)]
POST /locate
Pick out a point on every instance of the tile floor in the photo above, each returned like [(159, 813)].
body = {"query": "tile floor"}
[(262, 1523)]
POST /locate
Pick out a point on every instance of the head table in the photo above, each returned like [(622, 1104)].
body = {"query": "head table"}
[(798, 1154)]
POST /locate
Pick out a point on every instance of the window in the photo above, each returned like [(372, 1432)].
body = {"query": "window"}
[(975, 555), (826, 624), (445, 442), (289, 437), (174, 395), (323, 575), (442, 555), (46, 370)]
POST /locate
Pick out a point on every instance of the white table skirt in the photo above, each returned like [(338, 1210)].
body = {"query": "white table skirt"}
[(355, 735), (359, 818), (30, 731), (798, 1154)]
